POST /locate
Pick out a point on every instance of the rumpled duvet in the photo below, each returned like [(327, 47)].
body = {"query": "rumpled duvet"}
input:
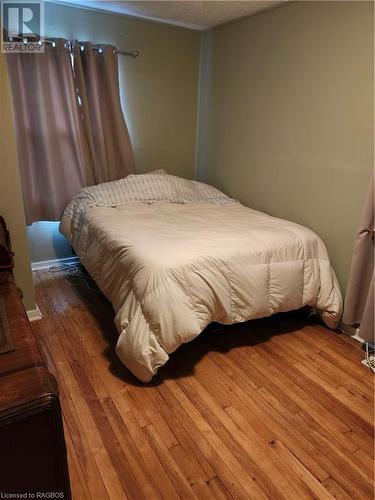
[(170, 267)]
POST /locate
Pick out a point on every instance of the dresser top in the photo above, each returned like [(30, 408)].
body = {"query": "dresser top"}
[(23, 375)]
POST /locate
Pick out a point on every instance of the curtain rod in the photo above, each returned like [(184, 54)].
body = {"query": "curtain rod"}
[(125, 52)]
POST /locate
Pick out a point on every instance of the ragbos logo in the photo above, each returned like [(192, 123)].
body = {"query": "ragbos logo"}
[(30, 495)]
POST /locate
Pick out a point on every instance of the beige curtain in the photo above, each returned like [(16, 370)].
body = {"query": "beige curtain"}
[(96, 74), (50, 141), (359, 300)]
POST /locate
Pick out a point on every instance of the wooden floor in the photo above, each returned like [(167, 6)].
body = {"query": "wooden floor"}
[(275, 408)]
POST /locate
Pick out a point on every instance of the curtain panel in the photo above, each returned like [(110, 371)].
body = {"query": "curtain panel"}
[(69, 124), (359, 300), (49, 132), (96, 73)]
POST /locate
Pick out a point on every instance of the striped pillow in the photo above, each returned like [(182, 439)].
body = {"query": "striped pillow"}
[(153, 187)]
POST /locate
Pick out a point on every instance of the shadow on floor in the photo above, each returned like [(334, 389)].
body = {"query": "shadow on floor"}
[(216, 337)]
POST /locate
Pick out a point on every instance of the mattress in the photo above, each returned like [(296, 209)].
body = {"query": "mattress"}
[(170, 268)]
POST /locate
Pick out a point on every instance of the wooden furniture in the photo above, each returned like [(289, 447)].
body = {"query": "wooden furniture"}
[(32, 446), (6, 265), (6, 254)]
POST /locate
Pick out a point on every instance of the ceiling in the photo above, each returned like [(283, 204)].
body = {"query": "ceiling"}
[(198, 15)]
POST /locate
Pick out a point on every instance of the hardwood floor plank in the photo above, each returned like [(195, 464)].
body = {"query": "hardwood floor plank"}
[(78, 480), (186, 441), (365, 462), (108, 436), (249, 476), (219, 463), (84, 453), (106, 467), (144, 480), (272, 408), (218, 490), (150, 458), (295, 441), (313, 389), (218, 383), (354, 403), (102, 459), (345, 361), (177, 477), (191, 471), (337, 492), (311, 411), (250, 438), (316, 488), (340, 466), (284, 478), (146, 408)]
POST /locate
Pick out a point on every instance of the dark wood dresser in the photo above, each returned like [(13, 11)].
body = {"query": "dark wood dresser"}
[(32, 447)]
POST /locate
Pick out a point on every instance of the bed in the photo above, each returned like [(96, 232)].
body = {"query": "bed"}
[(174, 255)]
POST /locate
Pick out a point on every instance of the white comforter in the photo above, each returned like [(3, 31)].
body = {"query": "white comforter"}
[(170, 269)]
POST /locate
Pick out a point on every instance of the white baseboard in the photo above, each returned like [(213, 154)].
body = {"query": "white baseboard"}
[(34, 314), (45, 264), (351, 331)]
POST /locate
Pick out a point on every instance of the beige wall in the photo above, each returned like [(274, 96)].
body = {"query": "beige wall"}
[(286, 115), (11, 203), (159, 92)]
